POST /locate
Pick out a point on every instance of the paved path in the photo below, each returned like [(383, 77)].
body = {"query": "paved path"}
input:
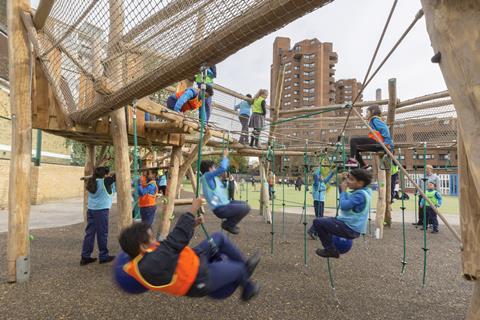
[(51, 214)]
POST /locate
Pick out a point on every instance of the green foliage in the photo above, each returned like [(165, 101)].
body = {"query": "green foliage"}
[(79, 150)]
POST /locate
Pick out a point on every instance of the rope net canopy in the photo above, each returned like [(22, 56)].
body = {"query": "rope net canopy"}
[(102, 54)]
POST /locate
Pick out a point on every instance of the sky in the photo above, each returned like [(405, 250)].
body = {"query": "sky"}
[(354, 27)]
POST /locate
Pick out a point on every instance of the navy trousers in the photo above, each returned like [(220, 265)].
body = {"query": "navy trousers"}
[(97, 224), (432, 218), (148, 214), (325, 227), (233, 212), (319, 207), (224, 276)]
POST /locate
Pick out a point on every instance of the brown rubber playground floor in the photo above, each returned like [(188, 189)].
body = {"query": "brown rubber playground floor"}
[(368, 281)]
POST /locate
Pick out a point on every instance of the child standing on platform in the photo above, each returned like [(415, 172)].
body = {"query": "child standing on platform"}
[(259, 110), (436, 199), (351, 221), (244, 111), (216, 194), (100, 189)]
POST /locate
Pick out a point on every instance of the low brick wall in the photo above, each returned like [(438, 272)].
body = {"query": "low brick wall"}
[(49, 182)]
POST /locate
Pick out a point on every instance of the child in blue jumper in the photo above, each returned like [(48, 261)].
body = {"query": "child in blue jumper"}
[(370, 143), (436, 199), (217, 198), (351, 221), (162, 183), (148, 197), (190, 99), (100, 189), (319, 191)]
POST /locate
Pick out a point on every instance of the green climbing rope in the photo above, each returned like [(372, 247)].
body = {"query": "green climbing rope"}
[(305, 170), (425, 222), (404, 235), (283, 195), (272, 232), (136, 207), (415, 156)]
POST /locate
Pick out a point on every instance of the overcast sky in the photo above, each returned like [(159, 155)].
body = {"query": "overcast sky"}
[(354, 28)]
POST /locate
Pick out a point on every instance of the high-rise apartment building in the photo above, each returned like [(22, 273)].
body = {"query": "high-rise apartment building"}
[(346, 90), (308, 81)]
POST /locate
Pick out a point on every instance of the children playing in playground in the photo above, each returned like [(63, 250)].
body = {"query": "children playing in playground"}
[(100, 189), (147, 197), (351, 221), (162, 182), (244, 111), (259, 110), (174, 268), (216, 195), (436, 198), (190, 99), (370, 143)]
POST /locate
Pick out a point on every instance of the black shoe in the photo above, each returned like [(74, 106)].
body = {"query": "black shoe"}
[(84, 261), (312, 235), (232, 230), (434, 231), (417, 223), (250, 292), (252, 263), (327, 253), (107, 259)]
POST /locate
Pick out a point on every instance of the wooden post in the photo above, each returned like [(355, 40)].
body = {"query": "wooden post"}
[(119, 126), (392, 105), (450, 25), (41, 15), (264, 193), (171, 191), (381, 204), (20, 75), (88, 171)]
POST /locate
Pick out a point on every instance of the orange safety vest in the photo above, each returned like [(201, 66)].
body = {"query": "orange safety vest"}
[(183, 278), (143, 181), (377, 136), (192, 104), (148, 200)]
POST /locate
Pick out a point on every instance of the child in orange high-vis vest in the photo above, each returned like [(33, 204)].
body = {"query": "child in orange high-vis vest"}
[(371, 142), (147, 193), (174, 268)]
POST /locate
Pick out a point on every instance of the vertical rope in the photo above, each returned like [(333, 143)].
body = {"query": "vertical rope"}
[(415, 156), (283, 195), (273, 196), (425, 222), (305, 170), (136, 208), (404, 235)]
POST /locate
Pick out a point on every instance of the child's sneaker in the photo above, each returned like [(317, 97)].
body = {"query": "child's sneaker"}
[(250, 291), (312, 235), (434, 231), (327, 253), (351, 163)]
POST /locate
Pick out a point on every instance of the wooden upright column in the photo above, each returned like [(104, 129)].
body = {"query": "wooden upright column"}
[(453, 30), (119, 126), (88, 171), (381, 203), (171, 191), (18, 246), (392, 105)]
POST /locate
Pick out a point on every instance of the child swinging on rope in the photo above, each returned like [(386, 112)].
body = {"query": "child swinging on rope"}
[(216, 195), (370, 143), (351, 221), (174, 268)]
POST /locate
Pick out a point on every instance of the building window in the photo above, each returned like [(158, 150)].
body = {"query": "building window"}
[(296, 92), (288, 71), (296, 76), (287, 104), (309, 56), (296, 68), (444, 156), (296, 84), (288, 64), (309, 81), (309, 74), (288, 79), (309, 65), (288, 87), (298, 48), (420, 156), (296, 100), (311, 90), (288, 95)]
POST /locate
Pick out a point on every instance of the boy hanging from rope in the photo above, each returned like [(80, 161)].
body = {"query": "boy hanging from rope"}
[(370, 143), (216, 195), (174, 268), (352, 220), (319, 191)]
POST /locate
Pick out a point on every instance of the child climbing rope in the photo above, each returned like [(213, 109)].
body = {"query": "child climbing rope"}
[(436, 199), (147, 198), (259, 110), (100, 189), (174, 268), (370, 143), (189, 99), (351, 221), (216, 195), (244, 111)]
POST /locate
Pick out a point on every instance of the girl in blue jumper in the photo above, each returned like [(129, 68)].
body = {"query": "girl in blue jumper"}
[(216, 195), (162, 183), (352, 220), (370, 143), (244, 111), (100, 189), (319, 191)]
